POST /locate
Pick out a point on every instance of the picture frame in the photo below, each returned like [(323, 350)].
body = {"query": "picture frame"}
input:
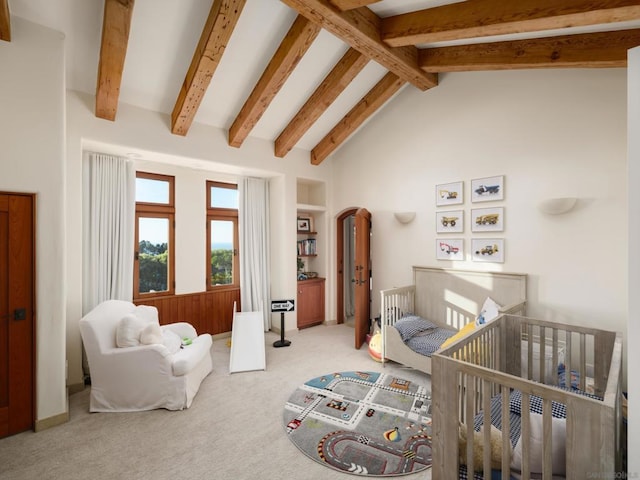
[(304, 224), (449, 194), (487, 219), (487, 250), (450, 221), (487, 189), (449, 249)]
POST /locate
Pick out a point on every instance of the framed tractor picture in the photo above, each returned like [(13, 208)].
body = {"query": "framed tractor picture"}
[(487, 189), (487, 250)]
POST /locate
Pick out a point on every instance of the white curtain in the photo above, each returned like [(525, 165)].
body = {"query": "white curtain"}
[(254, 246), (109, 235)]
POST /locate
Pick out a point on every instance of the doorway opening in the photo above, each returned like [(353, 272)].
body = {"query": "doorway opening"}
[(345, 247), (353, 283)]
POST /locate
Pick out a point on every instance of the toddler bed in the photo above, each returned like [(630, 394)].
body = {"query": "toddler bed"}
[(555, 388), (448, 300)]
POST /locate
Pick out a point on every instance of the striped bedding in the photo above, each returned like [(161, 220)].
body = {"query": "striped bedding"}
[(420, 335)]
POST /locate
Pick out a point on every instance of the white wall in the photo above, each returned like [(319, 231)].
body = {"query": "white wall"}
[(634, 257), (552, 133), (202, 154), (32, 161)]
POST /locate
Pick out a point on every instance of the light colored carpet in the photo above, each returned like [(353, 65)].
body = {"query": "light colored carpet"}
[(233, 429)]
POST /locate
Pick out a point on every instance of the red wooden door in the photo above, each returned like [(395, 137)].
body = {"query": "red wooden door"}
[(16, 313), (362, 276)]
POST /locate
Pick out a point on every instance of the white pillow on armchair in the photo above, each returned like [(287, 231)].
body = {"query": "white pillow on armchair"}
[(144, 318), (128, 331), (151, 334)]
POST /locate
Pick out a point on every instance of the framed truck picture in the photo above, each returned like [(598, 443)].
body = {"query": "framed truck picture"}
[(487, 219), (487, 189), (451, 221)]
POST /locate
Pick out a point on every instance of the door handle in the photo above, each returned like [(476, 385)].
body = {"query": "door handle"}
[(18, 314)]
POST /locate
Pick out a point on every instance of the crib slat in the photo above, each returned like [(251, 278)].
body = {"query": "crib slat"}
[(526, 434), (543, 355), (486, 422), (529, 352), (567, 359), (554, 358), (583, 361), (506, 427), (468, 415), (547, 446)]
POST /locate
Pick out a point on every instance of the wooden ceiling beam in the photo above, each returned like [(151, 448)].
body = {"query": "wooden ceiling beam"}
[(222, 20), (351, 4), (5, 21), (589, 50), (360, 29), (370, 103), (331, 87), (292, 48), (482, 18), (116, 24)]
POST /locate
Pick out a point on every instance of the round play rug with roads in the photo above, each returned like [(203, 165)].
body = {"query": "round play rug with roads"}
[(365, 423)]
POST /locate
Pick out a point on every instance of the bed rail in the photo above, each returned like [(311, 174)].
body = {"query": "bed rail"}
[(394, 303), (523, 354)]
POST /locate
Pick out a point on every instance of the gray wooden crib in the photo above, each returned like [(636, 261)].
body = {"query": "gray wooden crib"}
[(553, 367)]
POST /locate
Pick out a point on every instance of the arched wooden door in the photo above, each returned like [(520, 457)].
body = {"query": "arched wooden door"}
[(362, 275)]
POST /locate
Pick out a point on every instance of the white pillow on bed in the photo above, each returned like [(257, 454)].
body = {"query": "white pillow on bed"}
[(536, 440), (411, 325), (489, 311)]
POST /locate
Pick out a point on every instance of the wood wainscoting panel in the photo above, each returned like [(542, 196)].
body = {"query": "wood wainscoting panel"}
[(209, 312)]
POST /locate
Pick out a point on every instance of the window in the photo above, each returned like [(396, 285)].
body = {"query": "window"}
[(153, 269), (223, 264)]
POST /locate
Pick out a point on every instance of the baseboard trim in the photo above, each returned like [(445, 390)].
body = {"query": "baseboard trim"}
[(49, 422), (75, 388), (218, 336)]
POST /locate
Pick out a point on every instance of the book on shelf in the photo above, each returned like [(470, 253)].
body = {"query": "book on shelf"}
[(307, 246)]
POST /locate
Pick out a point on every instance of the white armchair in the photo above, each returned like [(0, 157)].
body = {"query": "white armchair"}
[(165, 371)]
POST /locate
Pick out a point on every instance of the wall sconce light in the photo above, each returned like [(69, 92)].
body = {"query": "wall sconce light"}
[(405, 217), (557, 206)]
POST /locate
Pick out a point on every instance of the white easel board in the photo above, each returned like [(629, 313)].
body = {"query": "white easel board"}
[(247, 342)]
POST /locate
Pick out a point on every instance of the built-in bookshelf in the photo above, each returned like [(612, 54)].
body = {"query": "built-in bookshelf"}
[(307, 245), (311, 228), (311, 231)]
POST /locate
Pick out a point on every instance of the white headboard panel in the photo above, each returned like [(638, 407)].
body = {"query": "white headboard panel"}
[(455, 297)]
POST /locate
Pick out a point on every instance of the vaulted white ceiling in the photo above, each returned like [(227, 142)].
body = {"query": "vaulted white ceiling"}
[(164, 34)]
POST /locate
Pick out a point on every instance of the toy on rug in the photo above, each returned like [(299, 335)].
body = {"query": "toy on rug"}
[(375, 347), (478, 448)]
